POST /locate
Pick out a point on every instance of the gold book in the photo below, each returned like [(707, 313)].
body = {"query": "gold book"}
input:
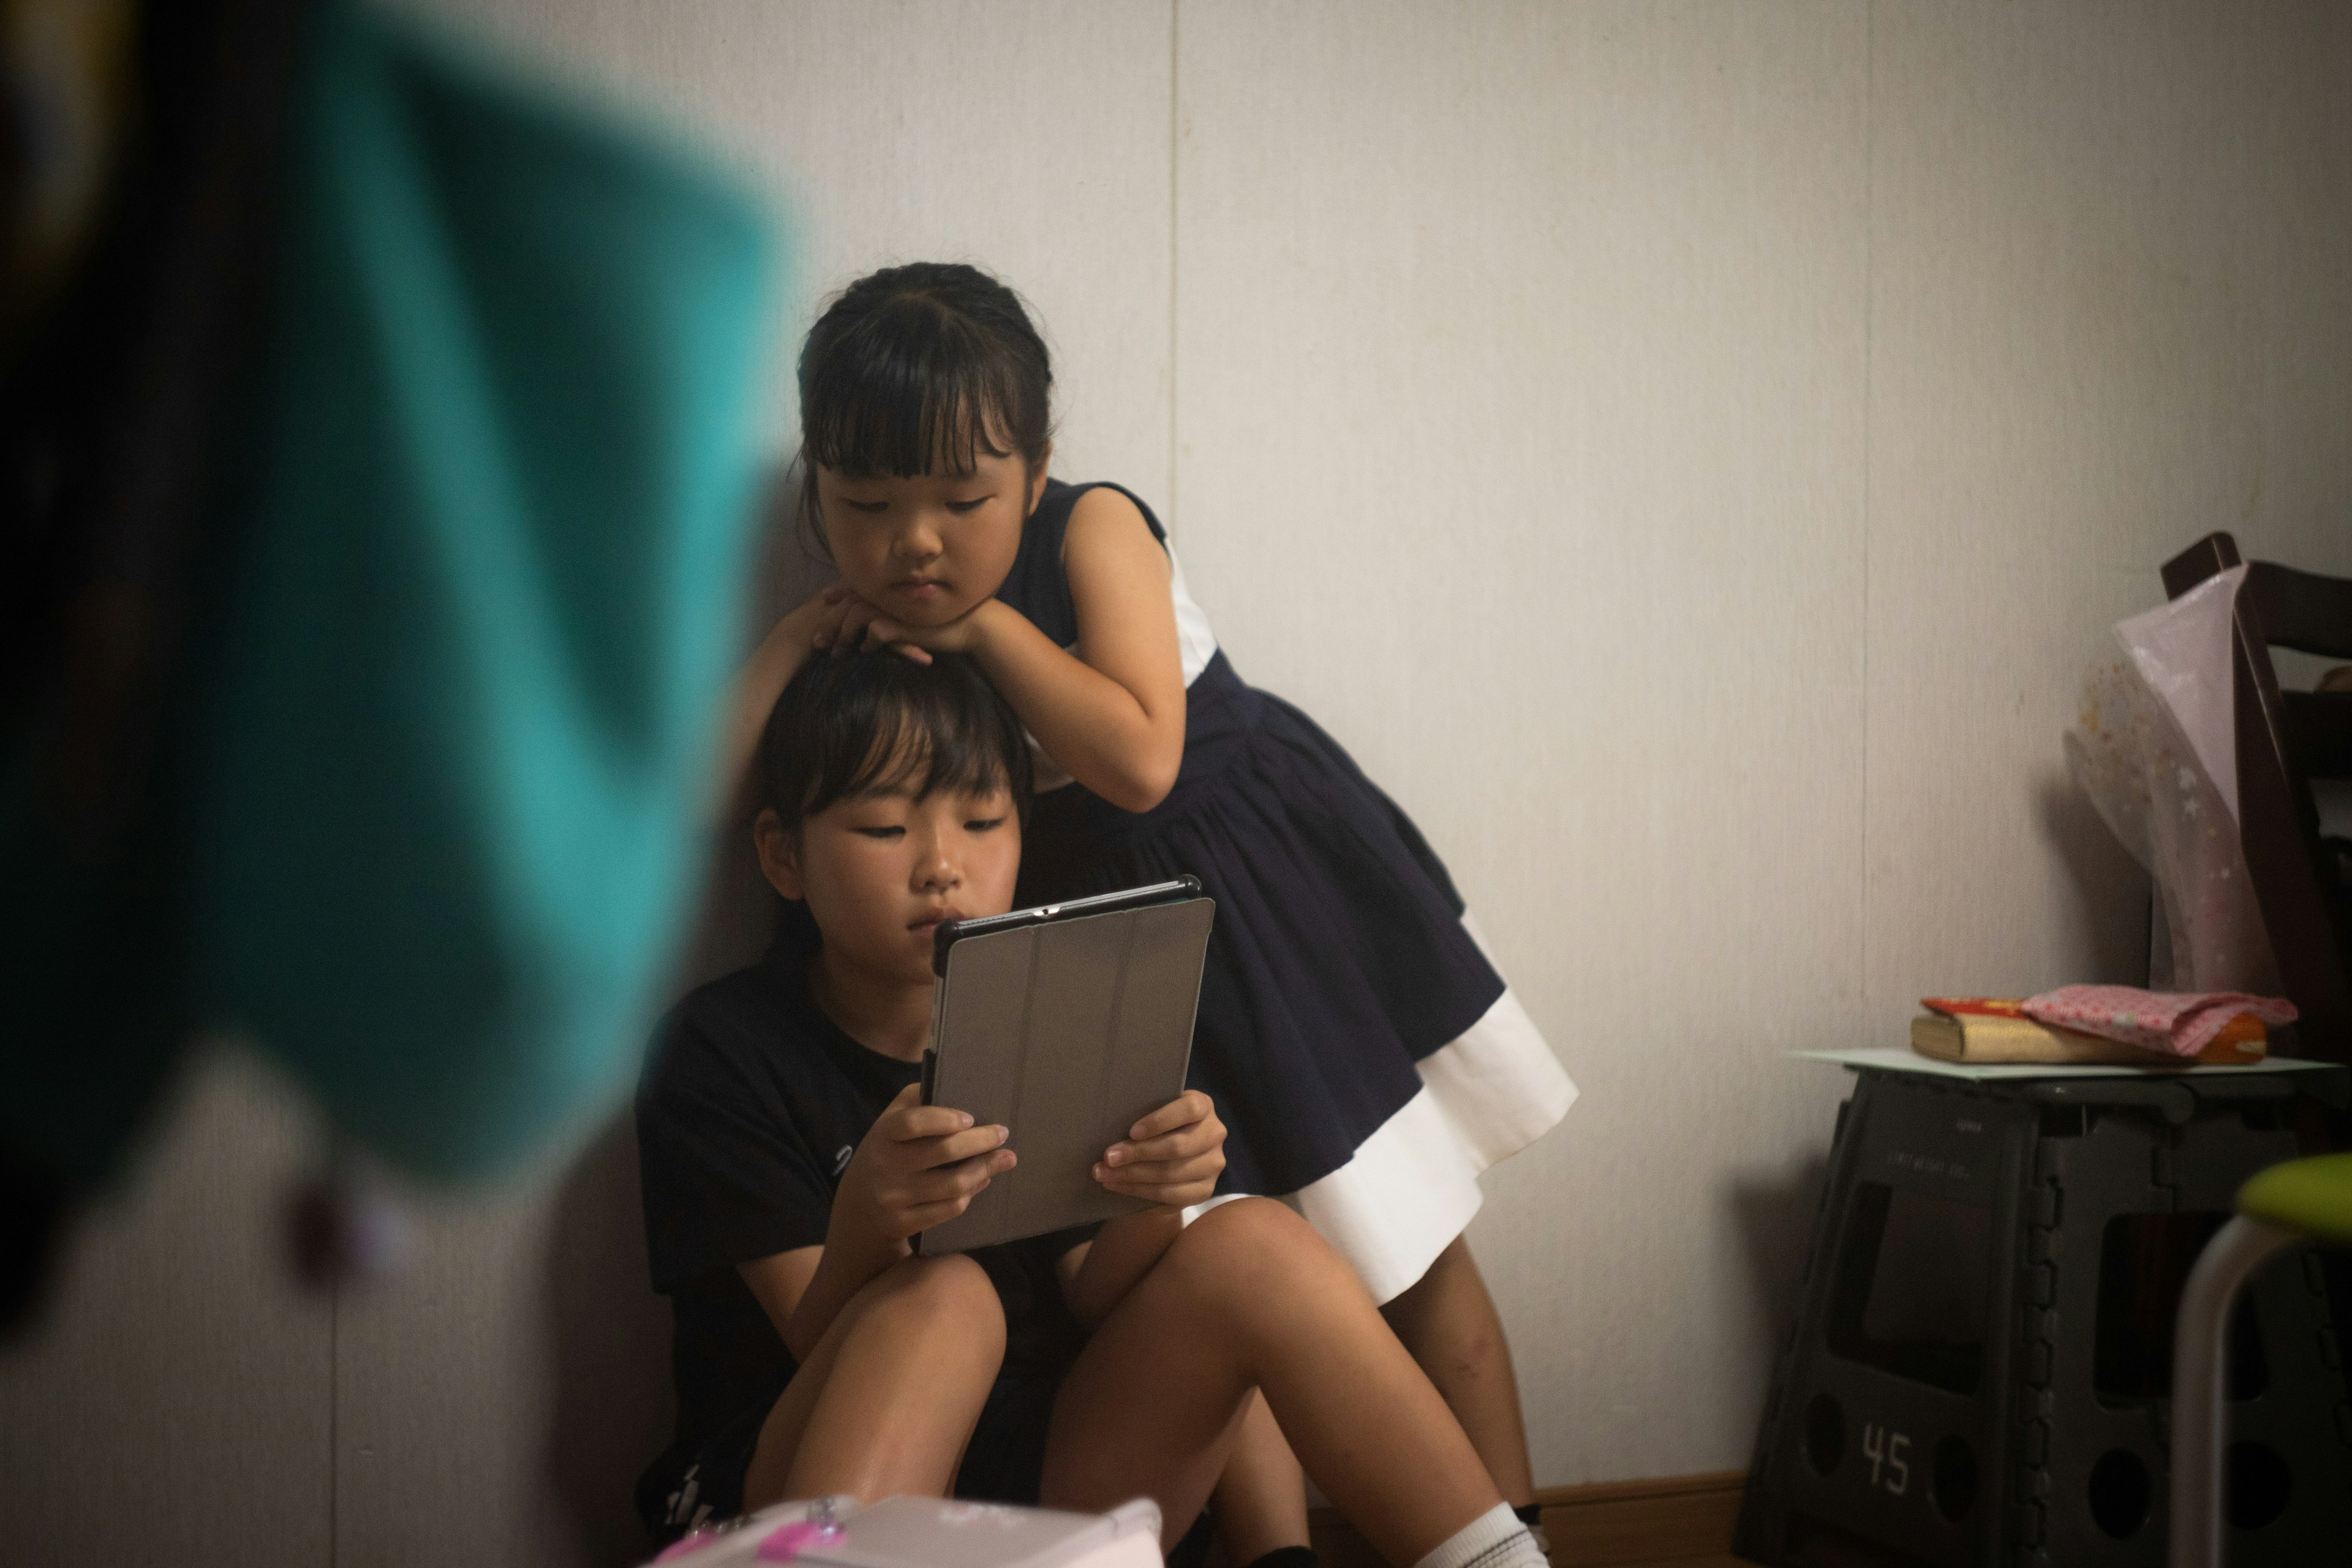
[(1990, 1038)]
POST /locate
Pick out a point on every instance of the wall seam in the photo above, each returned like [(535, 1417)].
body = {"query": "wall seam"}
[(1869, 418), (334, 1425), (1175, 125)]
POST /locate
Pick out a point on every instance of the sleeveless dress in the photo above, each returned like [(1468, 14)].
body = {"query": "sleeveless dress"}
[(1366, 1058)]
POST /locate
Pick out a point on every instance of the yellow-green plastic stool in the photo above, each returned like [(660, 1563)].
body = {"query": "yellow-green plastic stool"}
[(2300, 1201)]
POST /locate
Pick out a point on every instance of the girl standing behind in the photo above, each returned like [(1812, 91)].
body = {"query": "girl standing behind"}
[(1367, 1058)]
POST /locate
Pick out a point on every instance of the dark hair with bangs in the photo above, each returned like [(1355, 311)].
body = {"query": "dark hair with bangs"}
[(878, 721), (919, 369)]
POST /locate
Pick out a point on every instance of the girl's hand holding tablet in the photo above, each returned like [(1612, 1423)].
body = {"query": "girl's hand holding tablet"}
[(1172, 1157), (917, 1165)]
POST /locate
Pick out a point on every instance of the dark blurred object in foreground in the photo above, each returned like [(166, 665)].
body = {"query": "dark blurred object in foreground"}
[(134, 325), (377, 461)]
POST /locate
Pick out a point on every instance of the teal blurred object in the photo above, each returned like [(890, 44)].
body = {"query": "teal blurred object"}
[(456, 752)]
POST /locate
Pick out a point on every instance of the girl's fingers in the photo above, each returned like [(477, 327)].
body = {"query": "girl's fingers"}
[(1185, 1140), (1181, 1173), (910, 1121), (1179, 1145), (850, 632), (1188, 1107), (959, 1146), (860, 626), (943, 1183), (1144, 1181)]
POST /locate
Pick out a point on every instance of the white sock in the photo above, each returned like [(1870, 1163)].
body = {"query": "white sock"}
[(1495, 1539)]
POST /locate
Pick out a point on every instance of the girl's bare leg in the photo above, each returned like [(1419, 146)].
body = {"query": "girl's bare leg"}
[(1261, 1498), (1250, 1296), (884, 1403), (1447, 1321)]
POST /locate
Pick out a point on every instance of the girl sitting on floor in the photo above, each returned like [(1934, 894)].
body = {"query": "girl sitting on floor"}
[(787, 1161)]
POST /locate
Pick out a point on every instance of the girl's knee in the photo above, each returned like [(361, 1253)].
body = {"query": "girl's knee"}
[(1256, 1222), (943, 1302), (1252, 1243), (950, 1281)]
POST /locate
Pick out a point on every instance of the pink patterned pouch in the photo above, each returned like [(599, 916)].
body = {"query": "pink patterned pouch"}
[(2175, 1023)]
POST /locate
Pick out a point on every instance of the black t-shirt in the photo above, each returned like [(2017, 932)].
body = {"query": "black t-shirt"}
[(751, 1105)]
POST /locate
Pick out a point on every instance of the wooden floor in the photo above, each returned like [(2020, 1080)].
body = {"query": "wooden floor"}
[(1679, 1522)]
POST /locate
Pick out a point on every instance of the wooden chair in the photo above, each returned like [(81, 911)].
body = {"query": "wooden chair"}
[(2285, 738)]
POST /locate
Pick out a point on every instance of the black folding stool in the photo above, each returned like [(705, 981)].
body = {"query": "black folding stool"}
[(1978, 1374)]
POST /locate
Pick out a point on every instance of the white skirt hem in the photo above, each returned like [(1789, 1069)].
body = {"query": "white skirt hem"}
[(1413, 1186)]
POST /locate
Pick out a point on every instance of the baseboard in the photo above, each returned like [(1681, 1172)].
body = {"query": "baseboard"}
[(1675, 1521)]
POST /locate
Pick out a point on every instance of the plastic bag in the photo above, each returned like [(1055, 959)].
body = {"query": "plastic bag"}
[(2155, 747)]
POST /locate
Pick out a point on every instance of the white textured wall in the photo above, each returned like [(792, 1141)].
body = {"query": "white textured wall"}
[(1688, 451)]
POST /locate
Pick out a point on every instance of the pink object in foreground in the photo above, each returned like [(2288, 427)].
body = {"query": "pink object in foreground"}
[(787, 1542), (781, 1544), (2179, 1023)]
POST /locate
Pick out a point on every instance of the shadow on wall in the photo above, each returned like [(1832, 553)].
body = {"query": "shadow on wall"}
[(2110, 889), (737, 916), (609, 1335), (608, 1331), (1773, 1214)]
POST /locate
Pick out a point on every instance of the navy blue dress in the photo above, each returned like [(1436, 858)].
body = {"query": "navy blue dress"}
[(1339, 965)]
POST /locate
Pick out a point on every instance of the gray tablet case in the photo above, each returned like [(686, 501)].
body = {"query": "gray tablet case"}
[(1066, 1030)]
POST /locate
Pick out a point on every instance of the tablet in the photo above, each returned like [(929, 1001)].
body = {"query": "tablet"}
[(1065, 1024)]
